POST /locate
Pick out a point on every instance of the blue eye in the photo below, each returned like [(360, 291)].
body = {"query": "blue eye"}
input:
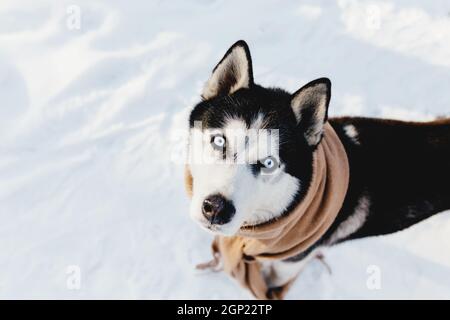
[(268, 165), (268, 162), (218, 141)]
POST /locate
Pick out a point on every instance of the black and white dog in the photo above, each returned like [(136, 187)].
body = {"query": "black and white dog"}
[(399, 171)]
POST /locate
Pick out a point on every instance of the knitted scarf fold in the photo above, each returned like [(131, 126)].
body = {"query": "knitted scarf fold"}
[(294, 232)]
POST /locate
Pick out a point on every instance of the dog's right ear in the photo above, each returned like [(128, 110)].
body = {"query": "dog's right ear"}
[(232, 73)]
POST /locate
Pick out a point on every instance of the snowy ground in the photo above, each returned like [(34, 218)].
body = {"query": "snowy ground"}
[(89, 120)]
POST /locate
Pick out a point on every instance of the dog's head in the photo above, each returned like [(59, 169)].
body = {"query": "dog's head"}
[(251, 147)]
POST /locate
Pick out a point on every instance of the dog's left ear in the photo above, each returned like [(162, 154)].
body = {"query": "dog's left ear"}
[(310, 106), (232, 73)]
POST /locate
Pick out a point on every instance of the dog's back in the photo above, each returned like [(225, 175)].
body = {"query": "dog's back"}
[(403, 168)]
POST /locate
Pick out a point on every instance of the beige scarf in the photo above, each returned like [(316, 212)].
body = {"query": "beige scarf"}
[(293, 233)]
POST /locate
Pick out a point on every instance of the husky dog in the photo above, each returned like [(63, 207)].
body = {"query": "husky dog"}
[(399, 171)]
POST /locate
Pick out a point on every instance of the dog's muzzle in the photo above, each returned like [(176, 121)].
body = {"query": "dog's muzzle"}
[(218, 210)]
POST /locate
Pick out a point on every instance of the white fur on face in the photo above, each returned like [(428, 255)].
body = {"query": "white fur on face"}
[(257, 199)]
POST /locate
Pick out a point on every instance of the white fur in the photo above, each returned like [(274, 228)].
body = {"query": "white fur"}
[(352, 133), (277, 273), (353, 222), (256, 199)]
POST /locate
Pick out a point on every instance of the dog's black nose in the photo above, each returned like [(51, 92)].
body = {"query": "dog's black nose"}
[(217, 209)]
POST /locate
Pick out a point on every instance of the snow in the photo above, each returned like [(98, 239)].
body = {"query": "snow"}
[(91, 121)]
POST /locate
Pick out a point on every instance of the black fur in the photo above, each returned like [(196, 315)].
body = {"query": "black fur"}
[(403, 168)]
